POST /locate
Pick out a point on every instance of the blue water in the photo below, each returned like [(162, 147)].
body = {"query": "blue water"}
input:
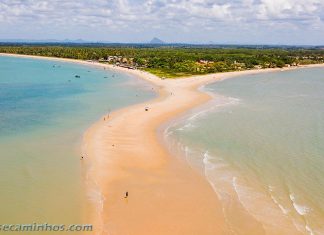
[(260, 143), (44, 111)]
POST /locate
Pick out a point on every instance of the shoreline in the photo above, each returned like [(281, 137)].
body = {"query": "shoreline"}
[(165, 196)]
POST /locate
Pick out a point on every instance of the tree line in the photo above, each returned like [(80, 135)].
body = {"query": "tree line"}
[(173, 61)]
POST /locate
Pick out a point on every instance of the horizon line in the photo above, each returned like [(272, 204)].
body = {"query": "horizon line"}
[(81, 41)]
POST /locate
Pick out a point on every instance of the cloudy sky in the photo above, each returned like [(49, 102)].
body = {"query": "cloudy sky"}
[(193, 21)]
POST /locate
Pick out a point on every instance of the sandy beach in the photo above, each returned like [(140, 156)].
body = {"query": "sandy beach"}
[(165, 195), (123, 153)]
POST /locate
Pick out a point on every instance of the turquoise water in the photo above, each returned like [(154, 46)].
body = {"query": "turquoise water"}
[(260, 144), (44, 111)]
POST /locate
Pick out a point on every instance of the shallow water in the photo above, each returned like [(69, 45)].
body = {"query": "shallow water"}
[(260, 144), (44, 111)]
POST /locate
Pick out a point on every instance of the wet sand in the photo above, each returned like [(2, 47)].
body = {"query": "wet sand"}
[(165, 195)]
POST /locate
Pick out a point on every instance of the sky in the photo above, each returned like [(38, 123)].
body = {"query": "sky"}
[(290, 22)]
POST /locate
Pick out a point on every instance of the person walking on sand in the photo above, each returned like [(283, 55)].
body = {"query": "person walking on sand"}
[(126, 195)]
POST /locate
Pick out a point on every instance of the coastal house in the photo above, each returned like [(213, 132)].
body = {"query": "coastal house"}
[(205, 62), (257, 66)]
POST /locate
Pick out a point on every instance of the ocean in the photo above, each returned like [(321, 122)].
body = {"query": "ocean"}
[(44, 111), (260, 144)]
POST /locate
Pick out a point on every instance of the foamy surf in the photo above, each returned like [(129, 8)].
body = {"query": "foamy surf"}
[(218, 102), (300, 209), (254, 151), (303, 211), (282, 208)]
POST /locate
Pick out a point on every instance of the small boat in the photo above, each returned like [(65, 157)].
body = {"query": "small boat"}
[(77, 76)]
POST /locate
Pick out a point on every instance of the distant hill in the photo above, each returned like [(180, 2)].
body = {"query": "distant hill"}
[(156, 41), (74, 41)]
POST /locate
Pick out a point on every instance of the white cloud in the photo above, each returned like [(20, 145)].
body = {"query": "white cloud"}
[(289, 9), (167, 15)]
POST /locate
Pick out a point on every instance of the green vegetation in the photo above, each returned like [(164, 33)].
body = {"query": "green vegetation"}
[(176, 61)]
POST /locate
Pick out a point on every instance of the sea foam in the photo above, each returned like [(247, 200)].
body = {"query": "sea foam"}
[(300, 209)]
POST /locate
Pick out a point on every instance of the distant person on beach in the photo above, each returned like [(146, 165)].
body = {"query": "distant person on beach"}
[(126, 195)]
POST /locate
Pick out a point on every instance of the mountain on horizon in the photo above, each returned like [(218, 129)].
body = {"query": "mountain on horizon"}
[(156, 41), (74, 41)]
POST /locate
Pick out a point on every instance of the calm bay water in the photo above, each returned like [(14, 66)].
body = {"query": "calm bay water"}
[(260, 144), (44, 111)]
